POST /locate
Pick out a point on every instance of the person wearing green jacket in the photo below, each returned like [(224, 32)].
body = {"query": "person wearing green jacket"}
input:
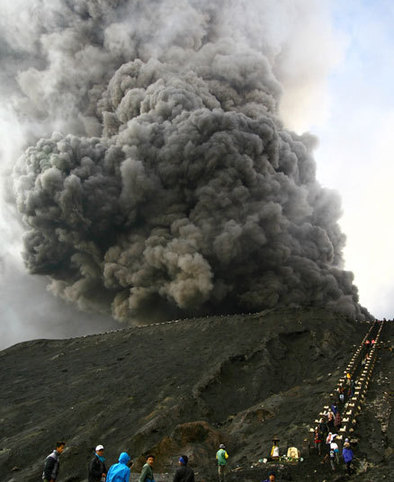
[(147, 471), (221, 457)]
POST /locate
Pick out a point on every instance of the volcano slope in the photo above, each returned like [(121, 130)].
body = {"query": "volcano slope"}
[(181, 387)]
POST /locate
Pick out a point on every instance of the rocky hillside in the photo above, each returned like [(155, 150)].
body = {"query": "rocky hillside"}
[(180, 387)]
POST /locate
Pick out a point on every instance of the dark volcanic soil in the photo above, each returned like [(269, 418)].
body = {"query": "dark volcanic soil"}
[(184, 388)]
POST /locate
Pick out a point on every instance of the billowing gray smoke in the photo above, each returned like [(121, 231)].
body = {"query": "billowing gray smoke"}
[(174, 188)]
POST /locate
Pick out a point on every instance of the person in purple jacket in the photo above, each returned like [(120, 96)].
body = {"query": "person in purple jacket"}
[(347, 454)]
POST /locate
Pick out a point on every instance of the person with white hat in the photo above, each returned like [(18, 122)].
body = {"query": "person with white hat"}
[(97, 470)]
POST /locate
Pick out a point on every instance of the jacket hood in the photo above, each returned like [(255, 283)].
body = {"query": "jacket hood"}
[(124, 458)]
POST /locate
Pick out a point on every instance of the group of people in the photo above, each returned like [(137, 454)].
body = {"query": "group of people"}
[(119, 472), (326, 432)]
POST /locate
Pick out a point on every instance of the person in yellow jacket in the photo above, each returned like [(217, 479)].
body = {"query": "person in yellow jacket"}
[(221, 457), (274, 454)]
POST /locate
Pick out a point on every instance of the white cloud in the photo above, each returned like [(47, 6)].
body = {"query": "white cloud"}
[(356, 146)]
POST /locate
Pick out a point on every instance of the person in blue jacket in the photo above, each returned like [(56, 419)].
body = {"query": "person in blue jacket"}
[(347, 454), (120, 472), (271, 477)]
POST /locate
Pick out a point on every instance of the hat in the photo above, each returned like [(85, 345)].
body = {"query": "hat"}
[(99, 447), (222, 446)]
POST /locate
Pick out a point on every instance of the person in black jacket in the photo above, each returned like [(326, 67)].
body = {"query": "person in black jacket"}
[(97, 468), (183, 472), (51, 464)]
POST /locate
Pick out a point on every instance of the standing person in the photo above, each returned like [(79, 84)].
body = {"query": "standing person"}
[(120, 472), (274, 454), (347, 454), (334, 408), (221, 457), (52, 464), (183, 473), (323, 428), (367, 346), (332, 458), (317, 439), (334, 446), (271, 477), (147, 471), (337, 421), (330, 438), (352, 388), (347, 384), (97, 471), (341, 395), (330, 421)]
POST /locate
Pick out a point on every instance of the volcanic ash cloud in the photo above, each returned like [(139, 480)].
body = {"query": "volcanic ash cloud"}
[(193, 198)]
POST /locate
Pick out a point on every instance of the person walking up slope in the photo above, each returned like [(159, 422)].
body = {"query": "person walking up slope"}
[(347, 454), (221, 457), (120, 472), (52, 464)]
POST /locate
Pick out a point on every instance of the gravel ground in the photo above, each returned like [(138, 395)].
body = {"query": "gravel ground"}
[(185, 387)]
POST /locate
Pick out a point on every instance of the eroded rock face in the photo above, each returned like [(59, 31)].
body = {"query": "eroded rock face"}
[(169, 389)]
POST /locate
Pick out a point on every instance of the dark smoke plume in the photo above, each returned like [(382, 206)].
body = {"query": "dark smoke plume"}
[(172, 187)]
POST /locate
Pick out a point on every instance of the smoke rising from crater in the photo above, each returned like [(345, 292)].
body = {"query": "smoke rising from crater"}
[(164, 182)]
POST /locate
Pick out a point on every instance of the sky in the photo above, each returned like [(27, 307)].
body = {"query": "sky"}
[(351, 112), (355, 153), (347, 103)]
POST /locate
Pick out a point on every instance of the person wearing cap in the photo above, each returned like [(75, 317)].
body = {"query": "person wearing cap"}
[(183, 473), (347, 454), (120, 472), (52, 464), (221, 457), (274, 454), (97, 471), (147, 471)]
